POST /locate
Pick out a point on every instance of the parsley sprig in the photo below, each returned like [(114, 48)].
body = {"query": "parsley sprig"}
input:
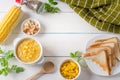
[(77, 56), (4, 63), (50, 6)]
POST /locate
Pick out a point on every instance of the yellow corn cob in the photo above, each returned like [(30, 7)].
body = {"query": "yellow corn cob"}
[(8, 22)]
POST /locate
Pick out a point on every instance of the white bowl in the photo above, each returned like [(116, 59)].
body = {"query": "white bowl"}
[(36, 21), (16, 43), (74, 62)]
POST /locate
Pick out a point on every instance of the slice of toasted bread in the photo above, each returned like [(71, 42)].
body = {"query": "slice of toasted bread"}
[(110, 44), (100, 57), (116, 41), (107, 48)]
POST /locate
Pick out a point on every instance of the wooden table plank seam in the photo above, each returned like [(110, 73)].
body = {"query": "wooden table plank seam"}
[(60, 34)]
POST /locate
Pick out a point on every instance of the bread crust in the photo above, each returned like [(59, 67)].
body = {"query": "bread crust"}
[(116, 50), (113, 49), (94, 56)]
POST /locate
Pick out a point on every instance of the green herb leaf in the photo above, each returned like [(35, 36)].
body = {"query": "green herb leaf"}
[(49, 7), (79, 59), (19, 69), (9, 54), (72, 55), (52, 2), (13, 67), (5, 72), (4, 62), (1, 72), (76, 53), (55, 10), (1, 51)]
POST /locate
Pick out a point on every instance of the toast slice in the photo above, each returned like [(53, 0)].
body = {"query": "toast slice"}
[(116, 41), (110, 44), (99, 57), (108, 50)]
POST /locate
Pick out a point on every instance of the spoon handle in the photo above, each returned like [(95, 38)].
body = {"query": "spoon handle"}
[(34, 76)]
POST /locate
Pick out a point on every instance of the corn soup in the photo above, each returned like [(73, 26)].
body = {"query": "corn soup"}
[(28, 50)]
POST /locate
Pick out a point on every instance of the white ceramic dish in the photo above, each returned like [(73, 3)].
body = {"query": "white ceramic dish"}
[(36, 21), (77, 65), (38, 61), (94, 67)]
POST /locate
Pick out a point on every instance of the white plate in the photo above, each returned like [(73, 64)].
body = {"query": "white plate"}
[(93, 66)]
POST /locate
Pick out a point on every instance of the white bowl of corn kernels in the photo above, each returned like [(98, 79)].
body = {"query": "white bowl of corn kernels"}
[(70, 69), (31, 26)]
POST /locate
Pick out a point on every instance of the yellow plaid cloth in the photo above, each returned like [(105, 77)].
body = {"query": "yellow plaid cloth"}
[(103, 14)]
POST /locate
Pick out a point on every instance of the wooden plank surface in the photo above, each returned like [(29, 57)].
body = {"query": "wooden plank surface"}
[(63, 22), (60, 34), (55, 44), (86, 74), (58, 23)]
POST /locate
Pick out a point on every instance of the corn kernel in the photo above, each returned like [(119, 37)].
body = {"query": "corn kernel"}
[(28, 50), (69, 69)]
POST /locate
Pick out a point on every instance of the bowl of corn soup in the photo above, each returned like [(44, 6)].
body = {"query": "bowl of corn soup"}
[(69, 69), (28, 50)]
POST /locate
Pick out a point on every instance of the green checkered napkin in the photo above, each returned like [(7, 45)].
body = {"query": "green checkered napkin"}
[(103, 14)]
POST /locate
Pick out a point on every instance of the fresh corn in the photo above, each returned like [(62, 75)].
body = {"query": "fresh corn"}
[(8, 22)]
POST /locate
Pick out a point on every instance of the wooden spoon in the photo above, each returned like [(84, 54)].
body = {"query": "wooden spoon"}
[(48, 67)]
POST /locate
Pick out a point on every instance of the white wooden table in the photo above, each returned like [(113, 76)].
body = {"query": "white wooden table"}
[(61, 33)]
